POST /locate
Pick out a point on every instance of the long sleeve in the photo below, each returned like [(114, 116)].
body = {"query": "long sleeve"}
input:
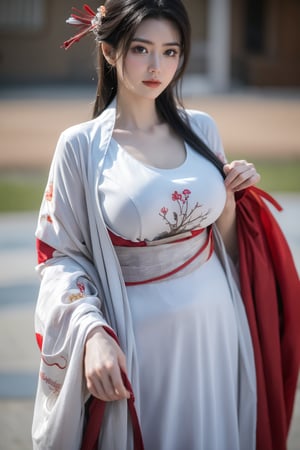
[(68, 305), (82, 287)]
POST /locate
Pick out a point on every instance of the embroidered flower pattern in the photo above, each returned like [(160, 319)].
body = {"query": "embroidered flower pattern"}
[(185, 218), (79, 294), (47, 218), (74, 297), (53, 385), (81, 287), (49, 192)]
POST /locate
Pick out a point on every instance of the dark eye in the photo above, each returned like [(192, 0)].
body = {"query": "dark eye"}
[(139, 49), (171, 52)]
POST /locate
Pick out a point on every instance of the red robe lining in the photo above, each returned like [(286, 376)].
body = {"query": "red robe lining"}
[(271, 293)]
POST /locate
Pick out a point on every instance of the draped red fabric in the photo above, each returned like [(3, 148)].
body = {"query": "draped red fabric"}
[(271, 293), (119, 241), (44, 251), (39, 340)]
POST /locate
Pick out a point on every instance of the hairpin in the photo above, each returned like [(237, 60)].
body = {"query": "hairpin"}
[(86, 20)]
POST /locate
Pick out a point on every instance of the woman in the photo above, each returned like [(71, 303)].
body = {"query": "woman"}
[(137, 243)]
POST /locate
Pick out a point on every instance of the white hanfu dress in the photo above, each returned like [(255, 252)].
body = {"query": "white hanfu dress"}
[(185, 326)]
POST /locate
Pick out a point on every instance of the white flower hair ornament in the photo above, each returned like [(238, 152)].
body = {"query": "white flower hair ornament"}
[(86, 21)]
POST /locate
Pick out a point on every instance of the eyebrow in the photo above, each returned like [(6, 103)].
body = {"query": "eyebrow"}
[(146, 41)]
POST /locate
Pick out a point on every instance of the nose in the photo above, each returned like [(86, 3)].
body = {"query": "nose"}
[(154, 64)]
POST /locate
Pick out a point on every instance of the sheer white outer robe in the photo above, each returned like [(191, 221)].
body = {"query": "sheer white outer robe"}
[(82, 287)]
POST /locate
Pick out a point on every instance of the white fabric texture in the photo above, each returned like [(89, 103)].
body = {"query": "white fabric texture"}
[(82, 286), (169, 260), (139, 202)]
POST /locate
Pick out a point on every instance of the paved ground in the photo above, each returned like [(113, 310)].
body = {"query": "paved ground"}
[(257, 123)]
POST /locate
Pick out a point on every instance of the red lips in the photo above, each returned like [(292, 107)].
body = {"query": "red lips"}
[(152, 83)]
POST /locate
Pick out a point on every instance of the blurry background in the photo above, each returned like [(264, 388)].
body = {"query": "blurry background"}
[(244, 71), (253, 42)]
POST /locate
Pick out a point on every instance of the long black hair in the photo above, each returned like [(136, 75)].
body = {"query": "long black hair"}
[(118, 26)]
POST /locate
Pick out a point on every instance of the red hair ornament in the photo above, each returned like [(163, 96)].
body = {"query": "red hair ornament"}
[(86, 21)]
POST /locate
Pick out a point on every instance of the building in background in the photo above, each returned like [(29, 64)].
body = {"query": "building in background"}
[(235, 42)]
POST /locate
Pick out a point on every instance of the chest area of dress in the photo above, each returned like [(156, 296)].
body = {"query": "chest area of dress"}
[(141, 202)]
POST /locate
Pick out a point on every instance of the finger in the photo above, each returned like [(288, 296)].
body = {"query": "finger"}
[(99, 383), (112, 382), (108, 384), (104, 389), (226, 168), (252, 180), (95, 387), (244, 186), (234, 164), (237, 175), (118, 384)]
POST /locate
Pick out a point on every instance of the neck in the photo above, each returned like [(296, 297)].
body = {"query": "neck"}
[(136, 115)]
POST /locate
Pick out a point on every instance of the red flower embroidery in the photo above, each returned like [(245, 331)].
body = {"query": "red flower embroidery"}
[(184, 219), (176, 196), (80, 287), (52, 384), (49, 192), (164, 210), (47, 217)]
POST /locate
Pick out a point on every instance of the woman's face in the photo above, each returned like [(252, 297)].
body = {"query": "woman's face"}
[(152, 59)]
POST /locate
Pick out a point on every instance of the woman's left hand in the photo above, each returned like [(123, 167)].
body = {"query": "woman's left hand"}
[(240, 175)]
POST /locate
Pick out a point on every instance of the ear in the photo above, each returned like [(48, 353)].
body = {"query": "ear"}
[(109, 53)]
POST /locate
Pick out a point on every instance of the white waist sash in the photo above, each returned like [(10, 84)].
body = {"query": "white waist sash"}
[(154, 263)]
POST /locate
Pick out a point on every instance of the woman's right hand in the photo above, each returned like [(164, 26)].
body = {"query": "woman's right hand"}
[(103, 362)]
